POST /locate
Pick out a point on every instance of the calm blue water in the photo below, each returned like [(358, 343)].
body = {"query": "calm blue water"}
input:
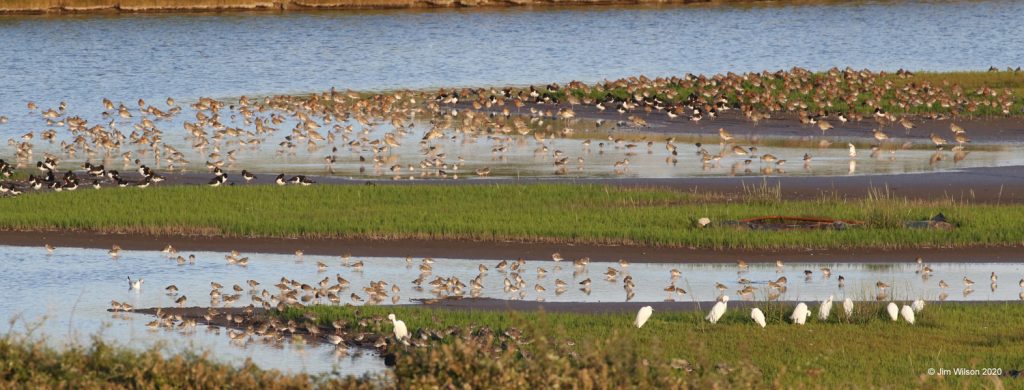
[(81, 59)]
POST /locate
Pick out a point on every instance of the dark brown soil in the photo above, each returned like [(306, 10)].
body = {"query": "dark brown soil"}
[(464, 249)]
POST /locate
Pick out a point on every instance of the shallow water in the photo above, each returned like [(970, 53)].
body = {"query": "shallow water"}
[(591, 150), (72, 290), (82, 58)]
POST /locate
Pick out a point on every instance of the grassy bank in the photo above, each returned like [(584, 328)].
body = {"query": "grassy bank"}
[(554, 349), (868, 350), (30, 364), (529, 349), (538, 213), (855, 93)]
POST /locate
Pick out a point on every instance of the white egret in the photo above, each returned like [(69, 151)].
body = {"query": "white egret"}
[(401, 332), (894, 311), (800, 314), (848, 307), (642, 316), (908, 314), (718, 310), (758, 316), (825, 309), (918, 305)]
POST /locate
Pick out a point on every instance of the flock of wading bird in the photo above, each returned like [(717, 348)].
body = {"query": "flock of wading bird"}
[(368, 130), (291, 293)]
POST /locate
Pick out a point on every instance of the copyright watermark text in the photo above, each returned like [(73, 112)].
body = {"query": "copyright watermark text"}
[(962, 371)]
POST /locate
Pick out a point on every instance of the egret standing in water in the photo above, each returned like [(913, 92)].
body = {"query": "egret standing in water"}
[(758, 317), (642, 316), (718, 310), (800, 314), (401, 332)]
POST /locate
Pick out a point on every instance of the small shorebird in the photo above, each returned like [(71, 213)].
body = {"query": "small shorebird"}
[(880, 136), (907, 124), (824, 126), (968, 282), (724, 135)]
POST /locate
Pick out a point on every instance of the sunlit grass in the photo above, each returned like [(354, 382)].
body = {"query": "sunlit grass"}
[(868, 349), (673, 350), (537, 213)]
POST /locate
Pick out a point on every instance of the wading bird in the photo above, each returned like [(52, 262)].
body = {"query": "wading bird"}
[(135, 285), (642, 316), (800, 314), (825, 309), (893, 311), (908, 314), (758, 317), (718, 310), (401, 332)]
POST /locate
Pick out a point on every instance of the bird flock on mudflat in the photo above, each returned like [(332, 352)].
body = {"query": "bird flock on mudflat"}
[(290, 293), (130, 145)]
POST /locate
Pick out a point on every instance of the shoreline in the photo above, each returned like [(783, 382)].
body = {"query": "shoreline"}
[(500, 250), (983, 185)]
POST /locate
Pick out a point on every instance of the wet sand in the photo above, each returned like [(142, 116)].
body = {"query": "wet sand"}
[(487, 250)]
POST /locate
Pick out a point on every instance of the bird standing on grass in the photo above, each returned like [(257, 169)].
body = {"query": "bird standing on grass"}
[(643, 315), (918, 305), (758, 317), (800, 314), (908, 314), (825, 309), (893, 311), (401, 332), (718, 310)]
